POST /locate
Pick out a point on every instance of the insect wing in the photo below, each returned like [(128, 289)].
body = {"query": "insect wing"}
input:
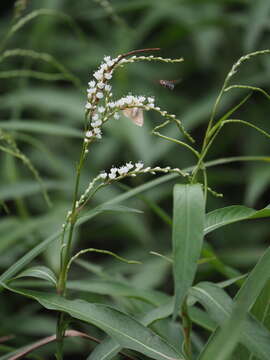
[(135, 115), (170, 84)]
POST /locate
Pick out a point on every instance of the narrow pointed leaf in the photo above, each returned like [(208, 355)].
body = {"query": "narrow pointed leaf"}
[(42, 128), (231, 214), (33, 253), (253, 335), (219, 307), (40, 272), (28, 257), (106, 350), (127, 331), (188, 223), (117, 288)]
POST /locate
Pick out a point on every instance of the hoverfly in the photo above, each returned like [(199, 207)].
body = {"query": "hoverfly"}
[(169, 84), (135, 115)]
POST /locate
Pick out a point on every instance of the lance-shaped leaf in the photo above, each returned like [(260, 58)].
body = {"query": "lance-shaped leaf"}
[(188, 223), (127, 331), (231, 214), (40, 272), (218, 304)]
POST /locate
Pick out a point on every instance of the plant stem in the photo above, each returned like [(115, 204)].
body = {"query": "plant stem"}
[(187, 326), (65, 256)]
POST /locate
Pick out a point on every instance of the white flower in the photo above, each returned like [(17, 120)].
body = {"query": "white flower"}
[(107, 58), (91, 91), (121, 102), (88, 134), (108, 87), (111, 104), (116, 116), (98, 136), (112, 175), (97, 131), (129, 99), (108, 75), (114, 170), (92, 83), (139, 165), (141, 99), (103, 67), (98, 75), (88, 105), (101, 109), (100, 85), (99, 95), (110, 63), (96, 123), (103, 175), (123, 170), (129, 165), (95, 117)]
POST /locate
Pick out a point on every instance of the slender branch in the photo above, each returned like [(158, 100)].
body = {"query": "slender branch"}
[(136, 52), (179, 142), (49, 339), (6, 338)]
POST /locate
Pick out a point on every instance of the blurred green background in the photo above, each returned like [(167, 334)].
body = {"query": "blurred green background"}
[(211, 36)]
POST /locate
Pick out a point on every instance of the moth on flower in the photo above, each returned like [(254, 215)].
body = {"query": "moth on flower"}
[(135, 115)]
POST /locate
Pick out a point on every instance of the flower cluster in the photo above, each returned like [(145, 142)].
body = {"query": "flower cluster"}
[(100, 92), (118, 173), (98, 88), (133, 170)]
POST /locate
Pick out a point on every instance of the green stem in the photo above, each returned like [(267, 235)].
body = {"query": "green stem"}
[(66, 254), (187, 326)]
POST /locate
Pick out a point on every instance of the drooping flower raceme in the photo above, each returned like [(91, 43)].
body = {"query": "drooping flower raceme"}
[(101, 106)]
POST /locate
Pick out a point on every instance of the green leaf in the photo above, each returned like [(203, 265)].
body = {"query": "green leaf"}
[(16, 267), (188, 222), (261, 309), (231, 214), (253, 334), (256, 23), (127, 331), (219, 306), (42, 128), (41, 272), (27, 188), (106, 207), (28, 257), (225, 338), (106, 350), (116, 288), (22, 230)]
